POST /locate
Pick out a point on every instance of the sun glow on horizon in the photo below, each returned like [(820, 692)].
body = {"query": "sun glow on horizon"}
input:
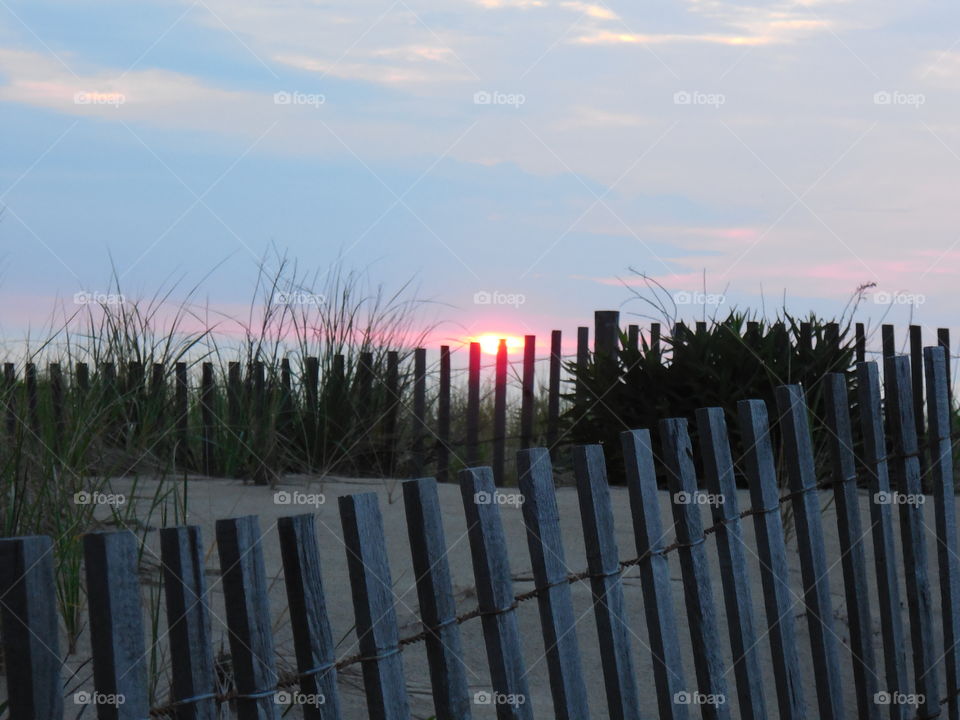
[(489, 342)]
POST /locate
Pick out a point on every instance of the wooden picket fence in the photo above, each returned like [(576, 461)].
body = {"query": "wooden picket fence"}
[(889, 463)]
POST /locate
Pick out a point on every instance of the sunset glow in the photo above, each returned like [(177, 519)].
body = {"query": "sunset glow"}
[(489, 342)]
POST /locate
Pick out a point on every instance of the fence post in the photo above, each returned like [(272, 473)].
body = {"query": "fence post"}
[(655, 338), (31, 643), (527, 396), (738, 600), (373, 604), (188, 619), (116, 624), (943, 340), (654, 573), (916, 382), (419, 408), (884, 546), (247, 607), (33, 400), (10, 397), (583, 358), (491, 571), (698, 590), (861, 342), (234, 395), (438, 609), (603, 564), (851, 536), (180, 398), (393, 407), (906, 467), (553, 401), (774, 572), (158, 395), (311, 391), (888, 340), (633, 337), (941, 468), (443, 417), (500, 413), (557, 619), (801, 474), (56, 404), (606, 333), (312, 638), (206, 418), (473, 406)]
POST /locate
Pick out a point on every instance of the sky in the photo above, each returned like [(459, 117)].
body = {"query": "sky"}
[(525, 162)]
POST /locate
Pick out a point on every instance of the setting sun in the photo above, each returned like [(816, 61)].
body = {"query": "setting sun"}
[(489, 342)]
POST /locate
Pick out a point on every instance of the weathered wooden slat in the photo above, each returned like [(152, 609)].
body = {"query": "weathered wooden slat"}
[(884, 545), (438, 609), (802, 479), (33, 399), (31, 645), (443, 417), (852, 537), (774, 571), (527, 395), (312, 638), (194, 681), (916, 383), (10, 398), (500, 413), (248, 617), (603, 564), (116, 625), (654, 574), (905, 465), (473, 405), (860, 346), (633, 337), (553, 401), (734, 575), (695, 568), (944, 498), (491, 570), (943, 340), (655, 338), (557, 618), (373, 605)]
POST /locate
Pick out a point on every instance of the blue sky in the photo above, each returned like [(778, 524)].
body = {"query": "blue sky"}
[(527, 147)]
